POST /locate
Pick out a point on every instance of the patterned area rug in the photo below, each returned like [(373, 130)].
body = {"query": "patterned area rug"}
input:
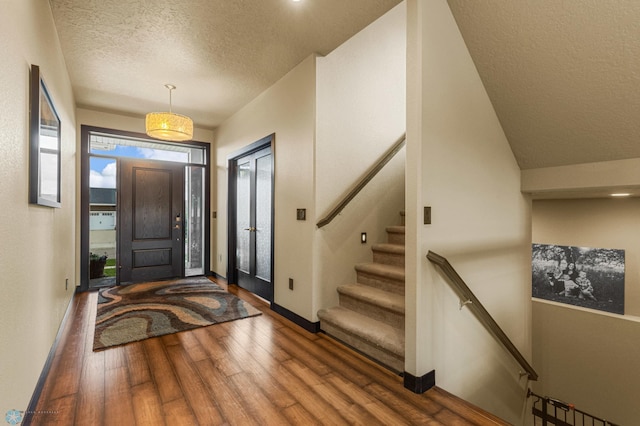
[(138, 311)]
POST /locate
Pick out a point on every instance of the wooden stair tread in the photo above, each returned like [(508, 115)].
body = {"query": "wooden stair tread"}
[(371, 295), (377, 333)]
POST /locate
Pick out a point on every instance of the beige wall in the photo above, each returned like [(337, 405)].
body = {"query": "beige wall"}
[(129, 123), (591, 358), (360, 114), (612, 176), (460, 163), (37, 244), (287, 109)]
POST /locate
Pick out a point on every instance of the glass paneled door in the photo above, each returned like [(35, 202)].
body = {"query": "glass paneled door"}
[(253, 224)]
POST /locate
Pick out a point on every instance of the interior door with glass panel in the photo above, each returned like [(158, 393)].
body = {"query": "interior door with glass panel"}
[(253, 226)]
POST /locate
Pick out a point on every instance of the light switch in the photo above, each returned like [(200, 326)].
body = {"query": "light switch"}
[(427, 215)]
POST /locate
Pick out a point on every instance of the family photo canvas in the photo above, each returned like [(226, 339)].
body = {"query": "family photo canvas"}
[(581, 276)]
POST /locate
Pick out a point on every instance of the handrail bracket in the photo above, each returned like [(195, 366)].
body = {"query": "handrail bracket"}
[(465, 302), (468, 298)]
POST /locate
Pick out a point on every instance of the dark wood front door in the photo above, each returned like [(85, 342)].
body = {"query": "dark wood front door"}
[(151, 220)]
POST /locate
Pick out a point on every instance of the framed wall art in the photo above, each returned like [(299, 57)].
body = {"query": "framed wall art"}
[(44, 144), (581, 276)]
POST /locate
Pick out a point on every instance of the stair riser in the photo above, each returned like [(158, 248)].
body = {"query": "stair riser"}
[(383, 283), (394, 319), (390, 360), (395, 238), (388, 258)]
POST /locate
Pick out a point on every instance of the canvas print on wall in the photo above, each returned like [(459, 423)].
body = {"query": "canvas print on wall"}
[(582, 276)]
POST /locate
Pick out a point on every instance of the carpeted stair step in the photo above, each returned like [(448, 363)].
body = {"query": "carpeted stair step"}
[(395, 235), (375, 303), (375, 339), (389, 254), (385, 277)]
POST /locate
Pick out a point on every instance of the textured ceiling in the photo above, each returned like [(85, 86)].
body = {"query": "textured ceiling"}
[(219, 53), (563, 75)]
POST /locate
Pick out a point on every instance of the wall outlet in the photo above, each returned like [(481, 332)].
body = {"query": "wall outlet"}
[(290, 283)]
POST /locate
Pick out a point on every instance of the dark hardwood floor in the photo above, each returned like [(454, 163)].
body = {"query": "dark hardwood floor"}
[(263, 370)]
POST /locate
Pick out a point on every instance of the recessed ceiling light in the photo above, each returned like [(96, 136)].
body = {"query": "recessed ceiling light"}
[(621, 194)]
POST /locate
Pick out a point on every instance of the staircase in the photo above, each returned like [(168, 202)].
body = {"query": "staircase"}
[(370, 316)]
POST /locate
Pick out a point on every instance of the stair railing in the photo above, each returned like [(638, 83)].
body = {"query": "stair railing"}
[(373, 171), (467, 298), (552, 411)]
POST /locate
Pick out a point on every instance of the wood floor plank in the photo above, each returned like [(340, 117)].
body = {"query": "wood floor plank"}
[(147, 407), (59, 411), (69, 366), (161, 370), (91, 395), (456, 405), (254, 371), (194, 390), (193, 346), (217, 352), (115, 358), (178, 412), (374, 406), (307, 398), (259, 364), (137, 363), (340, 402), (397, 402), (170, 339), (298, 415), (227, 398), (258, 404), (301, 348), (118, 407)]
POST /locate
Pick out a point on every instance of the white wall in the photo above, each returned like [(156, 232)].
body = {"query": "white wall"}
[(591, 358), (361, 113), (460, 163), (37, 244), (287, 109)]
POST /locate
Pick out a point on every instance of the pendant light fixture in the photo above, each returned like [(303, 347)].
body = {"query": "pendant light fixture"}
[(167, 125)]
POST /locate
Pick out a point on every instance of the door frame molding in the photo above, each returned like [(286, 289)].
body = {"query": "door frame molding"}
[(266, 142), (85, 131)]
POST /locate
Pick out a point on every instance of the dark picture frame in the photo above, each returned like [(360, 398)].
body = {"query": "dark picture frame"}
[(44, 144)]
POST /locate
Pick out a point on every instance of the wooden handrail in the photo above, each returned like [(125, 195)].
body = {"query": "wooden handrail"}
[(363, 182), (469, 299)]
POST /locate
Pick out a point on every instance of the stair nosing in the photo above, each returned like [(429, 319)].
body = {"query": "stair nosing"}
[(388, 248), (380, 328), (364, 293), (396, 229), (388, 271)]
